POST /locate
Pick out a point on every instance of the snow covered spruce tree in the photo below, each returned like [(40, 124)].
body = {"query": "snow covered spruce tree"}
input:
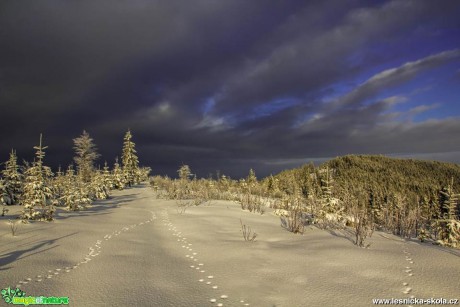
[(449, 224), (183, 190), (272, 185), (107, 177), (326, 196), (59, 186), (118, 178), (252, 179), (143, 173), (38, 198), (130, 160), (12, 180), (184, 173), (4, 198), (330, 212), (75, 196), (98, 187), (86, 155)]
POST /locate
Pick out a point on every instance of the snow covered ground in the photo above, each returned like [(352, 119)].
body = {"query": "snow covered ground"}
[(136, 250)]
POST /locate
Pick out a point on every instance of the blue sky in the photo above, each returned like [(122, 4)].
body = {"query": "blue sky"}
[(229, 85)]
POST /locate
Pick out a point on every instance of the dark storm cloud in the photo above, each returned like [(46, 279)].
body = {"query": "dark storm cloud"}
[(395, 76), (316, 57), (218, 84)]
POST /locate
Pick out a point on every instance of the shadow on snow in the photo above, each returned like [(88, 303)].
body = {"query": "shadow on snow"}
[(24, 253)]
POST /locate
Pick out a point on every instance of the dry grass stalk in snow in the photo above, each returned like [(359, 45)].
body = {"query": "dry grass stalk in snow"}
[(363, 227), (248, 234), (362, 218), (13, 227), (294, 221), (252, 203), (182, 206)]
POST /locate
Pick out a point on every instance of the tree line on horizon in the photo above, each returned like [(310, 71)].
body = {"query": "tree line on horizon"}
[(409, 198), (34, 186)]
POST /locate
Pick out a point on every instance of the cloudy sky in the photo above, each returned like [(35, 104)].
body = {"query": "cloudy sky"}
[(232, 84)]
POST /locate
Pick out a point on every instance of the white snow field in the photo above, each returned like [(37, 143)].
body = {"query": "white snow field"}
[(136, 250)]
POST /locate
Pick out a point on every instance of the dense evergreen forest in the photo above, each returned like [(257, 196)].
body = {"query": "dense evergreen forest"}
[(380, 178)]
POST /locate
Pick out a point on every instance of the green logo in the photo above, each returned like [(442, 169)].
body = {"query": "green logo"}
[(9, 294), (18, 297)]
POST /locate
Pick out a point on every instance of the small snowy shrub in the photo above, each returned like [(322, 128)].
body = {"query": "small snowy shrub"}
[(248, 234)]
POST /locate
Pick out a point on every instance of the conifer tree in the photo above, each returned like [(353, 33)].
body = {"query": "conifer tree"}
[(4, 197), (330, 208), (130, 160), (118, 177), (98, 188), (329, 204), (38, 196), (69, 189), (449, 223), (251, 179), (304, 179), (272, 184), (75, 195), (86, 155), (143, 173), (13, 180), (183, 189), (251, 182), (184, 172), (224, 183), (326, 187), (107, 177), (59, 186)]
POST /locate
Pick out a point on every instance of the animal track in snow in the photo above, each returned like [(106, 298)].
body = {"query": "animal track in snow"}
[(183, 243), (408, 270), (92, 253), (407, 290)]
